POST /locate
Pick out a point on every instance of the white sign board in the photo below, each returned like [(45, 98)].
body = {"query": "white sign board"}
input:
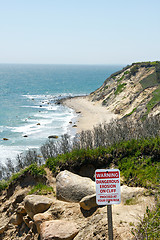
[(107, 186)]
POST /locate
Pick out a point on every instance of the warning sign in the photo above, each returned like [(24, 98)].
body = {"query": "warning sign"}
[(107, 186)]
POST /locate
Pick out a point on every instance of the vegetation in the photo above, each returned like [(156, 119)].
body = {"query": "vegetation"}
[(149, 227), (33, 169), (133, 147), (120, 79), (149, 81), (120, 88), (153, 102), (41, 189), (133, 70), (129, 114), (138, 160)]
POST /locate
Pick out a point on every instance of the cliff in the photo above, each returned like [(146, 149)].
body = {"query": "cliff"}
[(132, 92)]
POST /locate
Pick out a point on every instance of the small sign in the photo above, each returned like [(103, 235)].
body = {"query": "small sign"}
[(107, 186)]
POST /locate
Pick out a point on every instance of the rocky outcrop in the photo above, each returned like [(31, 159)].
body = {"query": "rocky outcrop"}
[(58, 229), (72, 188), (22, 217), (36, 204)]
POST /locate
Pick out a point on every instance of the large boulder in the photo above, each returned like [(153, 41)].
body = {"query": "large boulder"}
[(36, 204), (58, 229), (72, 188)]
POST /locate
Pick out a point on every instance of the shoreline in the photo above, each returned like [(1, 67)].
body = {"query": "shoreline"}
[(89, 114)]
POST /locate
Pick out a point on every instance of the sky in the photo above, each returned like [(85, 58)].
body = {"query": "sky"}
[(79, 31)]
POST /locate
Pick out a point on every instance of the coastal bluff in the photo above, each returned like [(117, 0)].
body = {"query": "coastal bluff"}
[(133, 92)]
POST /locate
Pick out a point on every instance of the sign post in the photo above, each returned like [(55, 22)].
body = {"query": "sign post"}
[(108, 192)]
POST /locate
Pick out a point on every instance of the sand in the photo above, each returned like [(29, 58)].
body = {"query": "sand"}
[(90, 114)]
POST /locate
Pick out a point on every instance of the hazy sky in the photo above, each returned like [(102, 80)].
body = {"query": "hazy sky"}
[(79, 31)]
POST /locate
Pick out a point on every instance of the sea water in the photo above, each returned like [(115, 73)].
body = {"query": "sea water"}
[(28, 95)]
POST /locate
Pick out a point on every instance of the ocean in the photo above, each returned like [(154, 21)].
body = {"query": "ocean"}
[(28, 113)]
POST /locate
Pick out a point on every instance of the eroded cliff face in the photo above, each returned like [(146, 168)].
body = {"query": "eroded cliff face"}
[(132, 92)]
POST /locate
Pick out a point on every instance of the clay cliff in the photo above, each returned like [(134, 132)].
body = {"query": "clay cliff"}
[(132, 92)]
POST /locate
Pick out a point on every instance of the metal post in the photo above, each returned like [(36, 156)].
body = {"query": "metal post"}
[(110, 225)]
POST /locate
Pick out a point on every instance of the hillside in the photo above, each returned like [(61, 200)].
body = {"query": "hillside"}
[(34, 202), (132, 92)]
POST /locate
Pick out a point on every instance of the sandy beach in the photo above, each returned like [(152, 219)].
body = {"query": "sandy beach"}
[(89, 113)]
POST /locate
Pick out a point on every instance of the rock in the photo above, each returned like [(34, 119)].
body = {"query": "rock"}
[(40, 218), (3, 225), (16, 219), (117, 111), (27, 220), (5, 139), (36, 204), (28, 237), (88, 202), (53, 136), (21, 209), (58, 229), (72, 188), (130, 192), (19, 197)]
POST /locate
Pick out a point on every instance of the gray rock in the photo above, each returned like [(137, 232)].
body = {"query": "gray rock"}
[(36, 204), (58, 229), (53, 136), (88, 202), (72, 188)]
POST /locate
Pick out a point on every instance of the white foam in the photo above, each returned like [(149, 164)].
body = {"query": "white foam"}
[(52, 119)]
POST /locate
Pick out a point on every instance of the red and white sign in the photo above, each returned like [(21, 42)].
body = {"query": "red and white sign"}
[(107, 186)]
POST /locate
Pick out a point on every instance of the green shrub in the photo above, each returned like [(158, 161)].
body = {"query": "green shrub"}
[(3, 185), (120, 79), (34, 169), (120, 88), (149, 227), (154, 100), (41, 189)]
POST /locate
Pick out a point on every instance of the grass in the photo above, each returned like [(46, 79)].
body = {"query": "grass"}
[(154, 100), (138, 161), (120, 88), (149, 227), (120, 79), (41, 189), (126, 72), (149, 81), (34, 169), (131, 201), (129, 114)]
